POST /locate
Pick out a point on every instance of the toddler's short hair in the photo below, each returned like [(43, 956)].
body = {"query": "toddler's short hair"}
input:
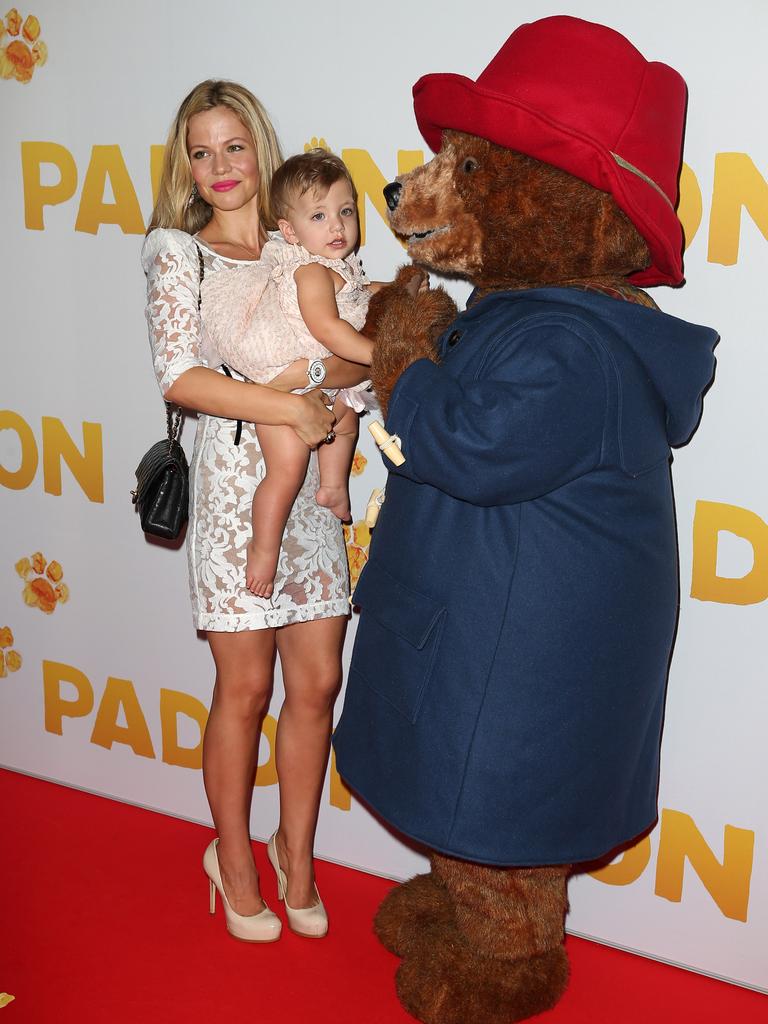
[(316, 169)]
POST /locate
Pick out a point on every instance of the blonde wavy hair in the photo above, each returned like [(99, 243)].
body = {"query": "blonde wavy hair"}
[(172, 209)]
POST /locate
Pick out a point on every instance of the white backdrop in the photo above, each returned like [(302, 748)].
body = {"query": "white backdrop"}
[(106, 690)]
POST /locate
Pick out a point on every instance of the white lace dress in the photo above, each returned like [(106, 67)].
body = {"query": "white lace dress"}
[(312, 580)]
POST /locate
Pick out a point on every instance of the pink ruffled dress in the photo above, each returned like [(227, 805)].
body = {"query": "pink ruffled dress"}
[(259, 330)]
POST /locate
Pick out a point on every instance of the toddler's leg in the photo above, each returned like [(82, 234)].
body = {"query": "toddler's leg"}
[(285, 459), (335, 460)]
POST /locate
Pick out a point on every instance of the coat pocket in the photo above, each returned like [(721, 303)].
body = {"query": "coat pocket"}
[(397, 639)]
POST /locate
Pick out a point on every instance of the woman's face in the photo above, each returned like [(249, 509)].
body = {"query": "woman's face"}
[(223, 159)]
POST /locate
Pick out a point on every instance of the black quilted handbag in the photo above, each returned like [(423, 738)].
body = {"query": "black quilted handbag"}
[(162, 476), (162, 483)]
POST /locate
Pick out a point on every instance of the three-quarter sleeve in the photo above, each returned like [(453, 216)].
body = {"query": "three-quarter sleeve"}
[(170, 262)]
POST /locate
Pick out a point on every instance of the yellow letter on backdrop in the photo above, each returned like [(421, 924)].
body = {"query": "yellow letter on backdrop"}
[(690, 207), (340, 794), (156, 155), (629, 867), (370, 182), (727, 883), (18, 479), (119, 693), (738, 183), (37, 195), (87, 466), (172, 704), (107, 161), (711, 517), (56, 708)]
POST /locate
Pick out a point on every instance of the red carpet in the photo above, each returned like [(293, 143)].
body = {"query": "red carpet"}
[(105, 921)]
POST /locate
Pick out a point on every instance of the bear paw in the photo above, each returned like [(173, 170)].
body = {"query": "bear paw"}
[(408, 909), (404, 321), (411, 279), (441, 981)]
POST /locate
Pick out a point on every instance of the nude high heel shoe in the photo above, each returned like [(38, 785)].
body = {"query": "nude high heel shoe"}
[(263, 927), (311, 922)]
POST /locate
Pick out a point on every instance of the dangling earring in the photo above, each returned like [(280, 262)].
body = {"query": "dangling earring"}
[(193, 195)]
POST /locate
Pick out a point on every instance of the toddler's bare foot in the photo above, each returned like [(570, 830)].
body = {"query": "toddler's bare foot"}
[(336, 499), (260, 569)]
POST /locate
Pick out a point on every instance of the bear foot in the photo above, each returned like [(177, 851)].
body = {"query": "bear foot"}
[(441, 981), (409, 908)]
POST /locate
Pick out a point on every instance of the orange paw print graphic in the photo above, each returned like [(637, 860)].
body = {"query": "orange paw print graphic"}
[(44, 586), (315, 143), (358, 463), (10, 660), (21, 48), (357, 537)]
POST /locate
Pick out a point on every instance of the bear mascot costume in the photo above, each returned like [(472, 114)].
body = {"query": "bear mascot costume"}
[(506, 690)]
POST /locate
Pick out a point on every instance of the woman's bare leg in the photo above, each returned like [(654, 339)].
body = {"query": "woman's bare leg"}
[(285, 458), (244, 669), (310, 654)]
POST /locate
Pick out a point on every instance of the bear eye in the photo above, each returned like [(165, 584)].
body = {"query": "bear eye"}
[(469, 166)]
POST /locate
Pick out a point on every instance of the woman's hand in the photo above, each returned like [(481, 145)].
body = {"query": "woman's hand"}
[(207, 391), (313, 419)]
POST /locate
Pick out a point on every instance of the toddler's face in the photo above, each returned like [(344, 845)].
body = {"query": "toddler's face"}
[(326, 225)]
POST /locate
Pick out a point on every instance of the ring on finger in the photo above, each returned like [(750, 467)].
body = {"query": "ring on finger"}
[(330, 436)]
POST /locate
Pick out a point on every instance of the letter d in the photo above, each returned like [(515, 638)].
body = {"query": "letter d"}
[(712, 517)]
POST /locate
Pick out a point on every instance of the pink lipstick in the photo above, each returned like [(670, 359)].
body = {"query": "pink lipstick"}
[(224, 186)]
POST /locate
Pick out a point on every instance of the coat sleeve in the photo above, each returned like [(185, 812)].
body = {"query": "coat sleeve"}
[(531, 421)]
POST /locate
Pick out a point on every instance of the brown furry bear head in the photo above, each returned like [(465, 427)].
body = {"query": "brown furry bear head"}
[(506, 221)]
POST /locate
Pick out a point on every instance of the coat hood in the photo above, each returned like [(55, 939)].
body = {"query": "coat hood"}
[(677, 356)]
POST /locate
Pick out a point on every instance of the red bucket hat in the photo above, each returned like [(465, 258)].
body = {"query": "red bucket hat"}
[(581, 97)]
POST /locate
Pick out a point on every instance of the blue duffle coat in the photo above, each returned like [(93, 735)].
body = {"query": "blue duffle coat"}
[(506, 690)]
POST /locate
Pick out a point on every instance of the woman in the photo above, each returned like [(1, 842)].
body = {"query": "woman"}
[(210, 218)]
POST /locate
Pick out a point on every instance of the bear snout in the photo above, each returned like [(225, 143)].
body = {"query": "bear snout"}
[(392, 194)]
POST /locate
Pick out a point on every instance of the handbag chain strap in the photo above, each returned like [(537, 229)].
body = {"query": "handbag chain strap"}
[(173, 414)]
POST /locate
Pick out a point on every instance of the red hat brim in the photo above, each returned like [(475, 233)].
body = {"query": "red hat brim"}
[(453, 102)]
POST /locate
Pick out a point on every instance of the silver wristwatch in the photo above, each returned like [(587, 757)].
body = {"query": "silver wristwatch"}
[(316, 372)]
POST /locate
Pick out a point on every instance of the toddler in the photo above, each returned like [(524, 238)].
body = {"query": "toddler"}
[(306, 298)]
